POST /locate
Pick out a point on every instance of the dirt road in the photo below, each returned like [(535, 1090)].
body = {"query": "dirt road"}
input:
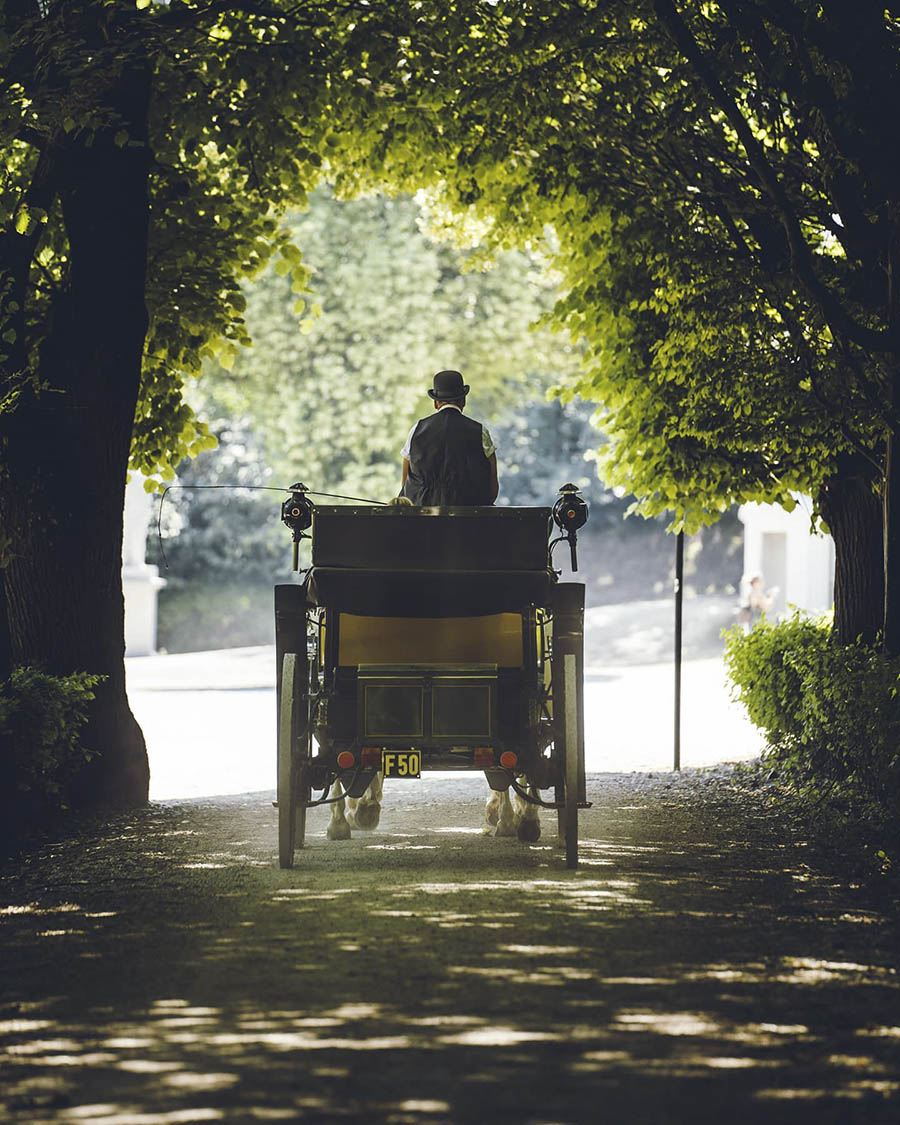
[(698, 967)]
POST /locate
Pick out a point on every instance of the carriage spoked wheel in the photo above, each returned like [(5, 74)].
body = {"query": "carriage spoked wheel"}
[(567, 760), (294, 752)]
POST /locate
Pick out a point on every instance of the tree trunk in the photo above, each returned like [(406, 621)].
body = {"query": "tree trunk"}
[(891, 517), (62, 500), (5, 646), (853, 511)]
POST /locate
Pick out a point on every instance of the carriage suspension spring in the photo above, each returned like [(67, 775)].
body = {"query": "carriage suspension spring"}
[(323, 800), (532, 800)]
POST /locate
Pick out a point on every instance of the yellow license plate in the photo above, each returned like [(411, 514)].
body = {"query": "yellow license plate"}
[(401, 763)]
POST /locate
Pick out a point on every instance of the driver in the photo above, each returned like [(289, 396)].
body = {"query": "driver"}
[(449, 459)]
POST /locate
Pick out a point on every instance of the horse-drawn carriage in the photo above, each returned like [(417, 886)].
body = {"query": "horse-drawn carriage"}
[(429, 639)]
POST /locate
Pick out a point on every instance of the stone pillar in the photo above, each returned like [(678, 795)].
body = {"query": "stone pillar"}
[(140, 581)]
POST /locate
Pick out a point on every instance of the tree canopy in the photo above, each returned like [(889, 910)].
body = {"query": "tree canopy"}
[(723, 195)]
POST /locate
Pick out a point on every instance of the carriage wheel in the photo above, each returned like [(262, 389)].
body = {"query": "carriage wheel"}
[(565, 704), (569, 818), (293, 756)]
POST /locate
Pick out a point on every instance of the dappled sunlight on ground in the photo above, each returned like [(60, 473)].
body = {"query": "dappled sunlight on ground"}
[(171, 973)]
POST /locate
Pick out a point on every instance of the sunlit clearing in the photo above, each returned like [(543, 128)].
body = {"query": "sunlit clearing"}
[(668, 1023), (193, 1081), (146, 1066), (99, 1114), (414, 1105), (541, 950), (34, 908), (447, 1021), (639, 980), (726, 1063), (496, 1037), (355, 1012), (808, 1095), (19, 1027), (810, 970)]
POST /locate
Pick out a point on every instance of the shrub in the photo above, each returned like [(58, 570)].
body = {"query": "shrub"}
[(41, 717), (831, 713)]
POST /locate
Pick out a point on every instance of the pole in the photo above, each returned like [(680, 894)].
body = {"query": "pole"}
[(679, 590)]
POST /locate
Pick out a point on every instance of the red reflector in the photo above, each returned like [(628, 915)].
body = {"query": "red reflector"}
[(484, 757), (508, 759), (371, 757), (345, 760)]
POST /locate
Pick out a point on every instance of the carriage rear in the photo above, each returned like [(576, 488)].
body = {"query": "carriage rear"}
[(429, 639)]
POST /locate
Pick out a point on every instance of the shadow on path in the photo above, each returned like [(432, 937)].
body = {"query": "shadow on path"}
[(694, 969)]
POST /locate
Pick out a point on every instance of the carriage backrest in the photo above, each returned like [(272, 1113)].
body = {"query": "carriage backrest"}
[(442, 539)]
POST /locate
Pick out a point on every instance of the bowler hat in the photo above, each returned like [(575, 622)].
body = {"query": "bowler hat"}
[(448, 385)]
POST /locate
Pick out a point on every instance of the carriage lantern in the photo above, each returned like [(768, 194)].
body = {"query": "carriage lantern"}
[(296, 513), (569, 514)]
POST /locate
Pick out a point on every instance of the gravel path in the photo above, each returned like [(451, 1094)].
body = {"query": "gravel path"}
[(698, 967)]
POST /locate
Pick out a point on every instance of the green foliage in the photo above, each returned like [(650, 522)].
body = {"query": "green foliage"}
[(831, 713), (238, 122), (733, 361), (41, 718)]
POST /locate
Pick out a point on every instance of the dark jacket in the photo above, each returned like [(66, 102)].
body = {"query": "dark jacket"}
[(447, 464)]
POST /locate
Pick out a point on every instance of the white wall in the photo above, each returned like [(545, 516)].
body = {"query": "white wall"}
[(781, 546)]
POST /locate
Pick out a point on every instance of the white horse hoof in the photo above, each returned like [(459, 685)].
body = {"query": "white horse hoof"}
[(504, 829), (366, 816), (339, 830)]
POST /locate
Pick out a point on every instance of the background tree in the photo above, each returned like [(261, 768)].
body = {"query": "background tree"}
[(724, 199)]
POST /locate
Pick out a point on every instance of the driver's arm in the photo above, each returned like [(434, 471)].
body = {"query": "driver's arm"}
[(404, 472), (495, 483)]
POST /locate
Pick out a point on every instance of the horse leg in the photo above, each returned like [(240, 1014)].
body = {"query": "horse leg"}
[(491, 813), (528, 821), (506, 821), (339, 827), (366, 812)]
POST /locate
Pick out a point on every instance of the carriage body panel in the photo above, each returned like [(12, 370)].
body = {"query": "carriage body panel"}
[(495, 638)]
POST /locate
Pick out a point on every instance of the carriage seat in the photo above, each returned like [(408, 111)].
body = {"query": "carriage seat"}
[(437, 562)]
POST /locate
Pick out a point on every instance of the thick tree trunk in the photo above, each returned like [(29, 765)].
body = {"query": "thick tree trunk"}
[(853, 511), (62, 499)]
